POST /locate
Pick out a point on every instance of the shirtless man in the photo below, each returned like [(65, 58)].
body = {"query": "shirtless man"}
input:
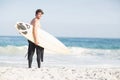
[(32, 46)]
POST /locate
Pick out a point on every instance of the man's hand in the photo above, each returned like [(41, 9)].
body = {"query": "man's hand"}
[(36, 42)]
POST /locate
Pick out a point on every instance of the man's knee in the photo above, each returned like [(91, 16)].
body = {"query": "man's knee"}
[(30, 55), (38, 58), (30, 58)]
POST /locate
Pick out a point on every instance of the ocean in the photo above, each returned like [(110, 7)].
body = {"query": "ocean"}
[(84, 52)]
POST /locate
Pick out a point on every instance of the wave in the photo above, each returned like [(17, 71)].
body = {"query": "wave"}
[(13, 49), (99, 52), (74, 51), (78, 56)]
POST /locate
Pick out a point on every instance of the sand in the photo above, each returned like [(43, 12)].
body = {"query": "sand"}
[(59, 73)]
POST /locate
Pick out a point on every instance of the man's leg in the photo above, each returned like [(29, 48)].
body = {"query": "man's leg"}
[(42, 54), (38, 52), (31, 50)]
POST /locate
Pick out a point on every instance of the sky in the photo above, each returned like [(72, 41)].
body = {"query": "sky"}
[(64, 18)]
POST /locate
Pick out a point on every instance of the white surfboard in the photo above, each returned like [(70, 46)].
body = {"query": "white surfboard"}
[(46, 40)]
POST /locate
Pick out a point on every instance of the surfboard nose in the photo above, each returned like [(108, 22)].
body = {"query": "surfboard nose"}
[(20, 26)]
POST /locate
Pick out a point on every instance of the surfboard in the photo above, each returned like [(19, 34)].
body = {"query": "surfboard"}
[(46, 40)]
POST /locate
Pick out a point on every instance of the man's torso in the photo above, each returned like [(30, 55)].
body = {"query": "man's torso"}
[(37, 23)]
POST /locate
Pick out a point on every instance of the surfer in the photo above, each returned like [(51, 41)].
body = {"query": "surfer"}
[(32, 46)]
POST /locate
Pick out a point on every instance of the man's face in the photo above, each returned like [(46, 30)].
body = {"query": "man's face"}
[(38, 15)]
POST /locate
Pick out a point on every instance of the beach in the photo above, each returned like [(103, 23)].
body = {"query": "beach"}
[(90, 59), (59, 73)]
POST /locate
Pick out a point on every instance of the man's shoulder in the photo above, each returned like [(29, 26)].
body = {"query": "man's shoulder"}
[(34, 19)]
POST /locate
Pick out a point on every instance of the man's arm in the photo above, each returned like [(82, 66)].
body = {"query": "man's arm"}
[(35, 31)]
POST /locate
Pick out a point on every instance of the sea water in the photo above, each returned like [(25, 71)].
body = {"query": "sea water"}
[(84, 52)]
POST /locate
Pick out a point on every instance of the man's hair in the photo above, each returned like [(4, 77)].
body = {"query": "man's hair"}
[(39, 10)]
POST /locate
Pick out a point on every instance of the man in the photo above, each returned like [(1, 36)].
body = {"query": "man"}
[(33, 46)]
